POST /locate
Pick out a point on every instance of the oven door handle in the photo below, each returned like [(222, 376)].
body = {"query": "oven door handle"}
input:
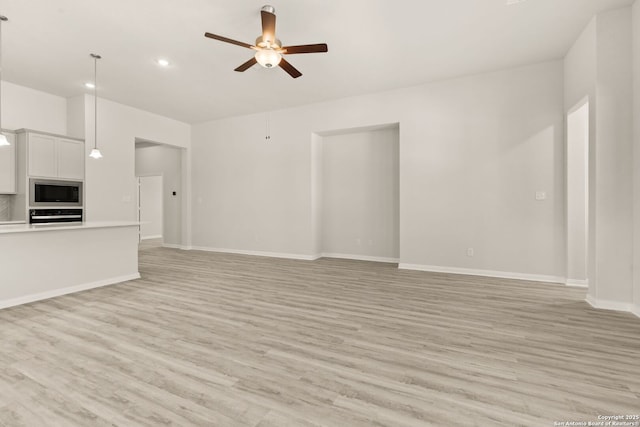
[(56, 216)]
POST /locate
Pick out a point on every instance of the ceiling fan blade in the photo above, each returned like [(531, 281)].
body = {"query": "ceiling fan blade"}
[(290, 69), (268, 26), (306, 48), (227, 40), (244, 67)]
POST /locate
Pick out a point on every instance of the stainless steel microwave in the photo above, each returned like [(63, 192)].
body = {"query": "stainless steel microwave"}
[(47, 192)]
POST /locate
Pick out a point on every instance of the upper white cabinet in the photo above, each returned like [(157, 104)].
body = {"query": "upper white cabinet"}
[(54, 157), (42, 156), (70, 159), (8, 166)]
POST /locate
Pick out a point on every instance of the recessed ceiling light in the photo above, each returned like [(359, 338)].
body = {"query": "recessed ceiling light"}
[(512, 2), (90, 85), (163, 62)]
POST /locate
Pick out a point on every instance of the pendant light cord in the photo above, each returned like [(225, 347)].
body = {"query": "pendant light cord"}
[(95, 100)]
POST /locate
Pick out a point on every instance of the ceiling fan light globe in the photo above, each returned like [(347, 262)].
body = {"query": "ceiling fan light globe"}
[(268, 58)]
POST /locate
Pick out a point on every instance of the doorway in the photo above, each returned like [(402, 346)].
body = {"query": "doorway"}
[(156, 159), (150, 206)]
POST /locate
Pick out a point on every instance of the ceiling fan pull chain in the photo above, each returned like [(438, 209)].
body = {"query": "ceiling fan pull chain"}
[(267, 128)]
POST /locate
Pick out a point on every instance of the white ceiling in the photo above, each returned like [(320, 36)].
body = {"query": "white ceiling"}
[(374, 45)]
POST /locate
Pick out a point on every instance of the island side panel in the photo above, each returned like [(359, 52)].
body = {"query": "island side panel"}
[(45, 264)]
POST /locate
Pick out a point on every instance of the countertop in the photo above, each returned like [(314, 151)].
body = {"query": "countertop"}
[(29, 228)]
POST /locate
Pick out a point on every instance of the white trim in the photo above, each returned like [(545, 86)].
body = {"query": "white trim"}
[(257, 253), (577, 283), (151, 237), (175, 246), (484, 273), (609, 305), (360, 257), (64, 291), (635, 309)]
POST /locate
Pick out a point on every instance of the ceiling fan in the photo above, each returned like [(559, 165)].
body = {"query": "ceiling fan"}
[(269, 49)]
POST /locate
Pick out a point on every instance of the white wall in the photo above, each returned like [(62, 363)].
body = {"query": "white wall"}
[(580, 75), (166, 161), (360, 194), (23, 107), (577, 194), (151, 201), (472, 156), (580, 69), (250, 193), (598, 66), (473, 152), (636, 156), (76, 117), (110, 181), (613, 153)]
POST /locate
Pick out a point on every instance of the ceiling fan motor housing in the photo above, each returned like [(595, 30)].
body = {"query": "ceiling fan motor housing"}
[(273, 44), (269, 9)]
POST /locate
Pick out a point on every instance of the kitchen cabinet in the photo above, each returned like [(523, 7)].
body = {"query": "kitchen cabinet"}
[(52, 156), (42, 156), (70, 159), (8, 165)]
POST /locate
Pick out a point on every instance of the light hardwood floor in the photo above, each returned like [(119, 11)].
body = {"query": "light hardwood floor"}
[(230, 340)]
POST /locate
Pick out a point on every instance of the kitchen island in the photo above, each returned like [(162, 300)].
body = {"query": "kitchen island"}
[(43, 261)]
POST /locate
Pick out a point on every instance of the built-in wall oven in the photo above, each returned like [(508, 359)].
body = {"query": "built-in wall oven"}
[(54, 216), (55, 201)]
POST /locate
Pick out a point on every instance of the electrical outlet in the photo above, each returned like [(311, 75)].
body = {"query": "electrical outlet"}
[(470, 252), (541, 195)]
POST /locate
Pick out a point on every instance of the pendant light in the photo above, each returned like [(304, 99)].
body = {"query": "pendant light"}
[(3, 139), (95, 152)]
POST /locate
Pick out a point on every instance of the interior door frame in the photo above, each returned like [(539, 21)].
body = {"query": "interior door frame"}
[(138, 177)]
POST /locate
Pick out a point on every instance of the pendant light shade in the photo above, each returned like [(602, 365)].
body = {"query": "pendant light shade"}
[(3, 139), (95, 152)]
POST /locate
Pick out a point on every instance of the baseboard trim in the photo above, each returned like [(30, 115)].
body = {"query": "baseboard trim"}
[(151, 237), (65, 291), (256, 253), (360, 257), (575, 283), (175, 246), (483, 273), (612, 305)]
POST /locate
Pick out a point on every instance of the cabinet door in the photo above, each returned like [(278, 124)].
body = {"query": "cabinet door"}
[(42, 156), (70, 159), (8, 166)]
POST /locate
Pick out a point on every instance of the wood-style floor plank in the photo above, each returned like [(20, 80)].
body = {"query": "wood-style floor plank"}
[(230, 340)]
